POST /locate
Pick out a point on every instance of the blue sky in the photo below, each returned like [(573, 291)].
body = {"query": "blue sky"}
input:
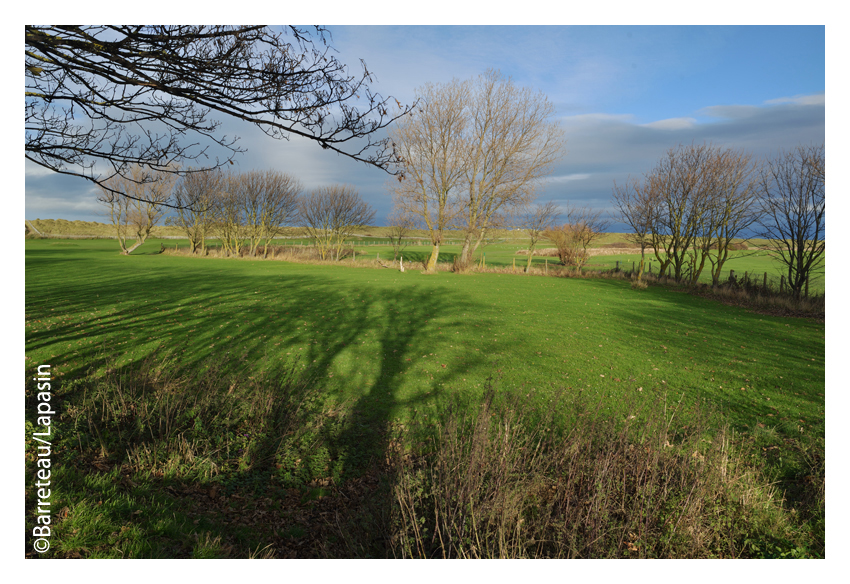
[(623, 94)]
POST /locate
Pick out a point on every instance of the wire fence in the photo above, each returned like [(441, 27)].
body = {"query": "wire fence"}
[(747, 279)]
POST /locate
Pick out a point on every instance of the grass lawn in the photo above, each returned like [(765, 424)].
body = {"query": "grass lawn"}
[(385, 348)]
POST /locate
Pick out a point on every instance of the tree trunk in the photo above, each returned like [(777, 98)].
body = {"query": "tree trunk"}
[(465, 253), (697, 270), (431, 266), (130, 249), (477, 243)]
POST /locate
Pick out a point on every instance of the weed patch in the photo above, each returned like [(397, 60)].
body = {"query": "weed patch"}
[(498, 484)]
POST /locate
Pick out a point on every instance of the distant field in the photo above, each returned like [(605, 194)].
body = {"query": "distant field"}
[(507, 253)]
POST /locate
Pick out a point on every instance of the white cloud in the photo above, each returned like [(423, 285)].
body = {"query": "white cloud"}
[(58, 205), (568, 178), (672, 124), (33, 170), (816, 99)]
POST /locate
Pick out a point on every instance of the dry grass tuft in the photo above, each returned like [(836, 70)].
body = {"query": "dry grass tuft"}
[(498, 485)]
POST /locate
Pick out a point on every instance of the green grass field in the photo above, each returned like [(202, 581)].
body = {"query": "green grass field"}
[(385, 348), (383, 335)]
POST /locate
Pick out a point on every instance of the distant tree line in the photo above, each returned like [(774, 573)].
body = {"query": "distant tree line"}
[(243, 210)]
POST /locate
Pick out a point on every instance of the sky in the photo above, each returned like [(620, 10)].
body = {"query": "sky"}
[(623, 95)]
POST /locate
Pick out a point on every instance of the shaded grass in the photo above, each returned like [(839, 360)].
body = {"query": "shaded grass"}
[(159, 462), (153, 459)]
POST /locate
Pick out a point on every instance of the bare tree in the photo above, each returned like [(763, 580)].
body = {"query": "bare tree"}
[(536, 221), (730, 212), (400, 224), (636, 206), (682, 182), (792, 211), (511, 143), (228, 214), (430, 143), (471, 151), (330, 214), (195, 197), (128, 95), (280, 205), (690, 207), (269, 202), (134, 204), (574, 237)]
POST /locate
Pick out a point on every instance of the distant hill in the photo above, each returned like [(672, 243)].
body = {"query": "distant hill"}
[(65, 228), (85, 229)]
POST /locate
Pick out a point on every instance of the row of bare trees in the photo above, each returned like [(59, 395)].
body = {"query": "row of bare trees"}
[(699, 198), (242, 210), (237, 208)]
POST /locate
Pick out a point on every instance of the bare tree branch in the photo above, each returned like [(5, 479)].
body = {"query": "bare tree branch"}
[(143, 95)]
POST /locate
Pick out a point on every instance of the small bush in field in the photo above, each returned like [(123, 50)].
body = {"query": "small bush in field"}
[(460, 265)]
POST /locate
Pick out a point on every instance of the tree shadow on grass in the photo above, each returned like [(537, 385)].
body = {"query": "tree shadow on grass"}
[(366, 350)]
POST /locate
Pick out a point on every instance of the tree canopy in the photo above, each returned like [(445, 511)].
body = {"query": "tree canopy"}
[(101, 99)]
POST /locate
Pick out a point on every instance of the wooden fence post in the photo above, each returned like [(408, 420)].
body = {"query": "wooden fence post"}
[(781, 284), (764, 285)]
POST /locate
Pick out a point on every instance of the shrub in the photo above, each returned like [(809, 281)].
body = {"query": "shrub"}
[(499, 484), (460, 264)]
